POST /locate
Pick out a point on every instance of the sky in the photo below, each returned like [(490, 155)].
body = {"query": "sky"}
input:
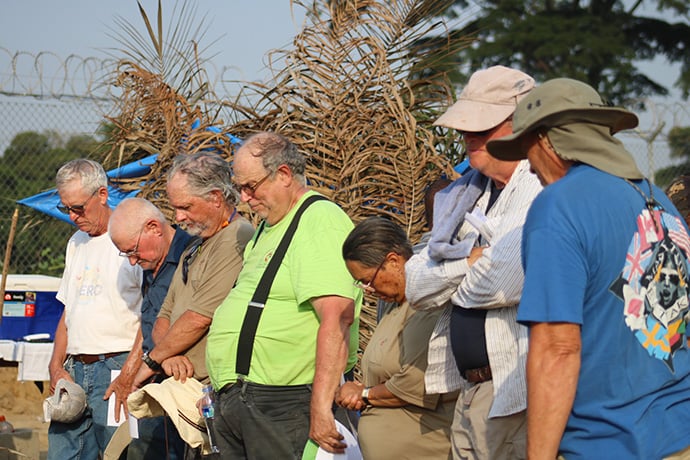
[(245, 30), (240, 34)]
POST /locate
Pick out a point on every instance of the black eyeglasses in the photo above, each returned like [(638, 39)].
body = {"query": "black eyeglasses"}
[(134, 252), (251, 189), (77, 208), (189, 258), (369, 287)]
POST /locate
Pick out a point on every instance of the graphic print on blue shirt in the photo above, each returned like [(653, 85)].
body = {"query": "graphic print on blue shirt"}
[(654, 284)]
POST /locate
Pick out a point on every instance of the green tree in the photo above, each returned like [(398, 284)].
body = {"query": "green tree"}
[(596, 41), (679, 147)]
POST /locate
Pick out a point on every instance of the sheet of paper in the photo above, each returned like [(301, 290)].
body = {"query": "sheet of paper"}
[(133, 427), (479, 221), (111, 405)]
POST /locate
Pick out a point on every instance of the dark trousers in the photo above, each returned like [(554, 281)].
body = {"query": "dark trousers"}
[(262, 421), (158, 439)]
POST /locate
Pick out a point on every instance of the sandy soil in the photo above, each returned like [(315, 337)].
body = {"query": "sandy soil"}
[(22, 405)]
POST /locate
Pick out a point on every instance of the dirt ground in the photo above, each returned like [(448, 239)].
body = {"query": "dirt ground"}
[(22, 405)]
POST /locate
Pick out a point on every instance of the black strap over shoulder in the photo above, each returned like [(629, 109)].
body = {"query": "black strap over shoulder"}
[(245, 346)]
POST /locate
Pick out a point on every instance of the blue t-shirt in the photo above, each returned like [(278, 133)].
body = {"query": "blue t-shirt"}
[(594, 256), (155, 288)]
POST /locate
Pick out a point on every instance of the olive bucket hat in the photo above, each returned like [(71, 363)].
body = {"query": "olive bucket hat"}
[(558, 102), (579, 124)]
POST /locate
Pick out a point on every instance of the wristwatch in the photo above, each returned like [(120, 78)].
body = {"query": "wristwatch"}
[(154, 365), (365, 396)]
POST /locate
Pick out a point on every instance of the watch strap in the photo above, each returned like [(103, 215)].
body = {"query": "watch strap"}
[(365, 396), (151, 363)]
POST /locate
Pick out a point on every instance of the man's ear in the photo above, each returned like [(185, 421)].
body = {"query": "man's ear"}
[(217, 197), (154, 227), (284, 174)]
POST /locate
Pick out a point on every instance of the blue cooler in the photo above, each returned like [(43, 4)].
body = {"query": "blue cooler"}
[(30, 306)]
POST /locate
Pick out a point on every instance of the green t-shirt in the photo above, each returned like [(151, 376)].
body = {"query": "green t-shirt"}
[(285, 342)]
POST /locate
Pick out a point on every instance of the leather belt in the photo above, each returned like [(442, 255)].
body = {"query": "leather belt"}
[(479, 375), (90, 359)]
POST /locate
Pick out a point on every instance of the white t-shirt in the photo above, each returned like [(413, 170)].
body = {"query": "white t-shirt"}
[(102, 296)]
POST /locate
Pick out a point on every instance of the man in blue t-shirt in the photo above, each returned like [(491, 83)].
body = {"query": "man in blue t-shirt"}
[(143, 235), (606, 286)]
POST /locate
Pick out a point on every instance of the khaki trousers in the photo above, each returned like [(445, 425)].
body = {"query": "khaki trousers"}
[(474, 436)]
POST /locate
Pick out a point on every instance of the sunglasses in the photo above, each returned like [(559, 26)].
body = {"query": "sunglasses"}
[(671, 278), (77, 208), (486, 133)]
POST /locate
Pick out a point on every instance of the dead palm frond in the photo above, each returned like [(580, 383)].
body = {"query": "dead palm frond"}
[(349, 95), (357, 93), (162, 109)]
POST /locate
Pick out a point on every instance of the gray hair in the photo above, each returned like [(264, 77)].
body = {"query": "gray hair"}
[(205, 173), (91, 174), (275, 150), (372, 239)]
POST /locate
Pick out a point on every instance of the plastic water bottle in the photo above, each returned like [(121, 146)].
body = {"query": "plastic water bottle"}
[(5, 426), (208, 411)]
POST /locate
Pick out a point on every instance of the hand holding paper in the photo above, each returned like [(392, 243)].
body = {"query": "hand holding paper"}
[(479, 221)]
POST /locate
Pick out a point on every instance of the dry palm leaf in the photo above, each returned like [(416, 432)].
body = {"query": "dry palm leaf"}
[(357, 94)]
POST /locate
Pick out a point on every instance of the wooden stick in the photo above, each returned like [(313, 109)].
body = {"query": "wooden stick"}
[(8, 254)]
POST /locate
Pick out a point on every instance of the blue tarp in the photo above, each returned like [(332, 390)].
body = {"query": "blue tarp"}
[(46, 202)]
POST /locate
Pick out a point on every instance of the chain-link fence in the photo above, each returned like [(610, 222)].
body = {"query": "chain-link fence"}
[(37, 136), (42, 129)]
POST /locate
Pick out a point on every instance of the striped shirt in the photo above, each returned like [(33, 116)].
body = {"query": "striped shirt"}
[(493, 282)]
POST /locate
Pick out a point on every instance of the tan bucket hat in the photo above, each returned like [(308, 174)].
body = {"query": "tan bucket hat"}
[(177, 400), (555, 103), (489, 98)]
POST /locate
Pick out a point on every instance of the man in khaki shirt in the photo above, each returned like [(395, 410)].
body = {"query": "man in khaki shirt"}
[(201, 193)]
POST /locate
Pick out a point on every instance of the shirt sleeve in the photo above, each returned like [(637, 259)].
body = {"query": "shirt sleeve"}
[(408, 383), (556, 267), (169, 301), (430, 284)]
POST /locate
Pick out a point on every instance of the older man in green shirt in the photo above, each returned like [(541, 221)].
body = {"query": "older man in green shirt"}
[(308, 330)]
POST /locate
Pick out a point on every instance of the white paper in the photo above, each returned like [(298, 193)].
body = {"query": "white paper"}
[(133, 427), (111, 405), (479, 221), (351, 453)]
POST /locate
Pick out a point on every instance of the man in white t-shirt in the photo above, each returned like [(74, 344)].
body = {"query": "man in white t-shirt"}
[(101, 292)]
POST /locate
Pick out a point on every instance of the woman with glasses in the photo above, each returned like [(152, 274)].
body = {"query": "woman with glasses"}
[(399, 419)]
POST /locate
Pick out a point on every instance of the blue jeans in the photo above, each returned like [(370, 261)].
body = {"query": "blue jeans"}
[(259, 422), (89, 436)]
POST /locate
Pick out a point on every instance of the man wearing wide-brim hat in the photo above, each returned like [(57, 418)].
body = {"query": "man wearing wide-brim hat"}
[(608, 367)]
